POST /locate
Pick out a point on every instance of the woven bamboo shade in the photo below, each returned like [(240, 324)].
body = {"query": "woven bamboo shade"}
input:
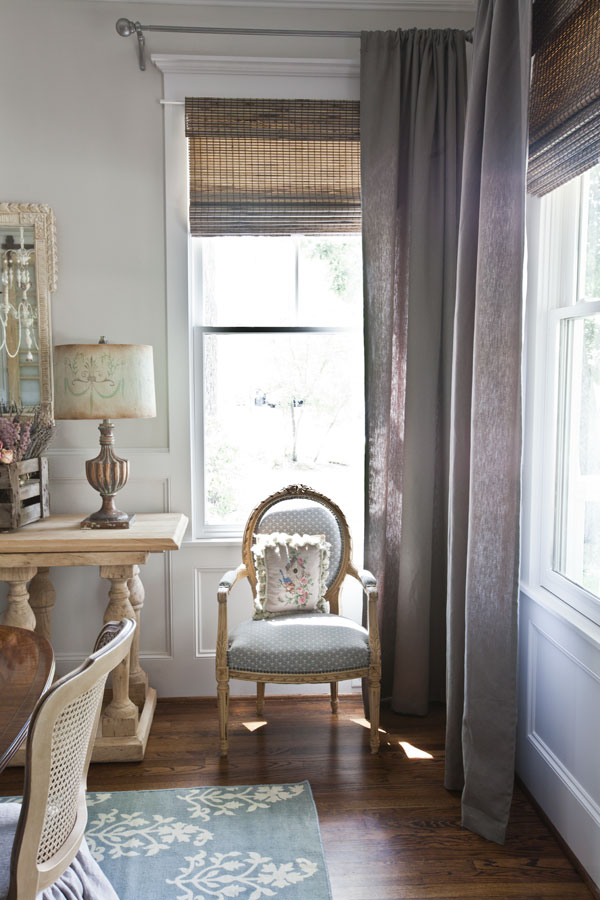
[(273, 166), (564, 115)]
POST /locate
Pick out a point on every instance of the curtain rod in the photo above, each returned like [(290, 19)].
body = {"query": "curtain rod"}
[(125, 27)]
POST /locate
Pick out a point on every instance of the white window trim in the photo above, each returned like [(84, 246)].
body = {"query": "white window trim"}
[(556, 271), (211, 76)]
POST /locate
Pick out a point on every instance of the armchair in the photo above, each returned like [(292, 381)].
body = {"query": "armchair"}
[(299, 647)]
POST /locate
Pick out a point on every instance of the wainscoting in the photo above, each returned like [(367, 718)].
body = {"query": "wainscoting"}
[(179, 618), (559, 722)]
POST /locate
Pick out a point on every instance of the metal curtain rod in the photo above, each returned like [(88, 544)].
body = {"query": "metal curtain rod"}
[(125, 27)]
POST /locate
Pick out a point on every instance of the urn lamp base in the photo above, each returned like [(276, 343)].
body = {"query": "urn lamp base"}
[(107, 474)]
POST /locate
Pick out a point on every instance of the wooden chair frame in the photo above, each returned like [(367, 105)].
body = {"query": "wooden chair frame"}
[(28, 877), (247, 570)]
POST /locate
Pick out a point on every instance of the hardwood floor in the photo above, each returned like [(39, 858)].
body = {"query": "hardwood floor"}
[(390, 830)]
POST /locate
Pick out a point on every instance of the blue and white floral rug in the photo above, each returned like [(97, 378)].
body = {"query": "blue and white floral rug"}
[(210, 842)]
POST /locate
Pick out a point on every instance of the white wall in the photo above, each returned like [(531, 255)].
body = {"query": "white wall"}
[(83, 132)]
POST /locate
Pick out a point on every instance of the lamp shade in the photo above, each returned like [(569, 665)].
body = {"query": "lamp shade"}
[(103, 381)]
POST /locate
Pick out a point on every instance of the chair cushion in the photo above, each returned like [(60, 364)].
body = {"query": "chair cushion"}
[(305, 517), (298, 644), (291, 571), (83, 880)]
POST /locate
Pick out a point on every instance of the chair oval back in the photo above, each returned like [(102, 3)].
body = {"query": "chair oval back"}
[(298, 509), (59, 747)]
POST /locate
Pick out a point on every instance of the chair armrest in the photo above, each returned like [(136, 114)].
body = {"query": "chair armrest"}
[(228, 580), (226, 583), (368, 582)]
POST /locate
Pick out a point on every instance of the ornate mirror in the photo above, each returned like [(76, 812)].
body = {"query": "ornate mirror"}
[(27, 278)]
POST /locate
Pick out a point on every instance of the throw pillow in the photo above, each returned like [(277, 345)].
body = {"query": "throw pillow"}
[(291, 571)]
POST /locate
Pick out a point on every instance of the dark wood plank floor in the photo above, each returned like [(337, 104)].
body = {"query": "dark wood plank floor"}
[(390, 830)]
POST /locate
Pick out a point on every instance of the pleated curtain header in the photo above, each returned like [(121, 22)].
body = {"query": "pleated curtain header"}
[(564, 114), (273, 166)]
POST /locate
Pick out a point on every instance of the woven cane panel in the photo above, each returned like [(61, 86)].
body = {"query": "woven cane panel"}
[(273, 166), (564, 109), (70, 740)]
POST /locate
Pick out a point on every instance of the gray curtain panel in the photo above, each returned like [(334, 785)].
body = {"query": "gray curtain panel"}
[(486, 424), (413, 97)]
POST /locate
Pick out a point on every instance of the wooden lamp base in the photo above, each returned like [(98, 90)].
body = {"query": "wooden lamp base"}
[(107, 474)]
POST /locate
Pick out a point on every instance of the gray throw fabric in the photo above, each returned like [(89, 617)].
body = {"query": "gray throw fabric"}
[(413, 97), (83, 880), (486, 424)]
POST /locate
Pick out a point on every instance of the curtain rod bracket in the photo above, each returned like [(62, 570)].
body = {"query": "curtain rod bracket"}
[(125, 27)]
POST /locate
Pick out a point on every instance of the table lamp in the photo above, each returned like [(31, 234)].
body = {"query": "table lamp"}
[(104, 381)]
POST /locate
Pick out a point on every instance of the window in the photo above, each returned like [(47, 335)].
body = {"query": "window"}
[(279, 387), (570, 504), (274, 214)]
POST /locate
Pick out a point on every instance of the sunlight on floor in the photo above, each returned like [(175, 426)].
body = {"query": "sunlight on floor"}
[(414, 752), (411, 751), (255, 724), (365, 723)]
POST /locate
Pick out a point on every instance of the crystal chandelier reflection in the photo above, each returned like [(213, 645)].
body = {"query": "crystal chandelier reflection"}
[(16, 280)]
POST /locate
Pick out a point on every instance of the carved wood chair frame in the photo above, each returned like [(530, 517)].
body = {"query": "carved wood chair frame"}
[(372, 672)]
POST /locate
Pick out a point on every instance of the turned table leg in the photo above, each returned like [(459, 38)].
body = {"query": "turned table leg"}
[(42, 597), (18, 612), (138, 679), (120, 717)]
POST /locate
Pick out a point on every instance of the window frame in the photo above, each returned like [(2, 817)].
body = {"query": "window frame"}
[(222, 76), (560, 256), (202, 529)]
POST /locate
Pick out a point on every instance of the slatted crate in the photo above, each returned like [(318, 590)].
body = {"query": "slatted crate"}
[(24, 496)]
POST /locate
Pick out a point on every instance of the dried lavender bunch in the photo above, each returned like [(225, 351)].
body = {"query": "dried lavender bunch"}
[(26, 436), (42, 432), (14, 436)]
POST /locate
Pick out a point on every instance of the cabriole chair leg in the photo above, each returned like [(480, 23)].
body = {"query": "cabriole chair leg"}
[(260, 697)]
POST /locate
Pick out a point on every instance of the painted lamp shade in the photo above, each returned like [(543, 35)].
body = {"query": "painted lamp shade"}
[(104, 381)]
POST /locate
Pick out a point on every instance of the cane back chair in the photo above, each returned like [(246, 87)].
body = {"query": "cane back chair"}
[(48, 831), (299, 648)]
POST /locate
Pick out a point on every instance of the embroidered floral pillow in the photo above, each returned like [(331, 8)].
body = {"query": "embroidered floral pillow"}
[(291, 571)]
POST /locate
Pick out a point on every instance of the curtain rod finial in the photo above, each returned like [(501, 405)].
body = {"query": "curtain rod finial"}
[(125, 27)]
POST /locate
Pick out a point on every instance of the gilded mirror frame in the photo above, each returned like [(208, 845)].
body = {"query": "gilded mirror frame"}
[(41, 218)]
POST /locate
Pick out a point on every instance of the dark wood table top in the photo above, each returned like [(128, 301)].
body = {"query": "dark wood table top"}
[(26, 670)]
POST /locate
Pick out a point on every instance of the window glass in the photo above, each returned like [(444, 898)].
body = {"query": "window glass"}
[(248, 281), (330, 280), (577, 506), (592, 241), (278, 406), (280, 409)]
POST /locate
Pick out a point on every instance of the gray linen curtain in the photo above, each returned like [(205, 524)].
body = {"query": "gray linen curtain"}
[(486, 424), (413, 96)]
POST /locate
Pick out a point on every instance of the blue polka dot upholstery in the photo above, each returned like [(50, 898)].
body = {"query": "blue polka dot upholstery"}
[(305, 517), (298, 644)]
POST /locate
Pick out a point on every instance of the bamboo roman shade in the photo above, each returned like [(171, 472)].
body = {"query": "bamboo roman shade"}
[(564, 115), (273, 166)]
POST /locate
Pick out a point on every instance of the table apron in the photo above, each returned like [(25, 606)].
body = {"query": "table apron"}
[(76, 558)]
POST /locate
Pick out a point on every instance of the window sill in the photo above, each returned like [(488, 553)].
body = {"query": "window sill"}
[(561, 610)]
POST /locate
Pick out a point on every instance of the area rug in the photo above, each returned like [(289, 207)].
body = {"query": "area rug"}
[(210, 842)]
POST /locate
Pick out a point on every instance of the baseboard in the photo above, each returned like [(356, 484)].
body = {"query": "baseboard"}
[(250, 699), (589, 882)]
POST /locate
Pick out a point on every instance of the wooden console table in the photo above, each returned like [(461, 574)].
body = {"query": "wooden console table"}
[(27, 555)]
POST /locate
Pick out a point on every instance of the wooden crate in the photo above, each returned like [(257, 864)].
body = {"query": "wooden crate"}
[(24, 496)]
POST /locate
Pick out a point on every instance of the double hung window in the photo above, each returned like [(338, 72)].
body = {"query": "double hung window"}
[(277, 286), (570, 470)]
